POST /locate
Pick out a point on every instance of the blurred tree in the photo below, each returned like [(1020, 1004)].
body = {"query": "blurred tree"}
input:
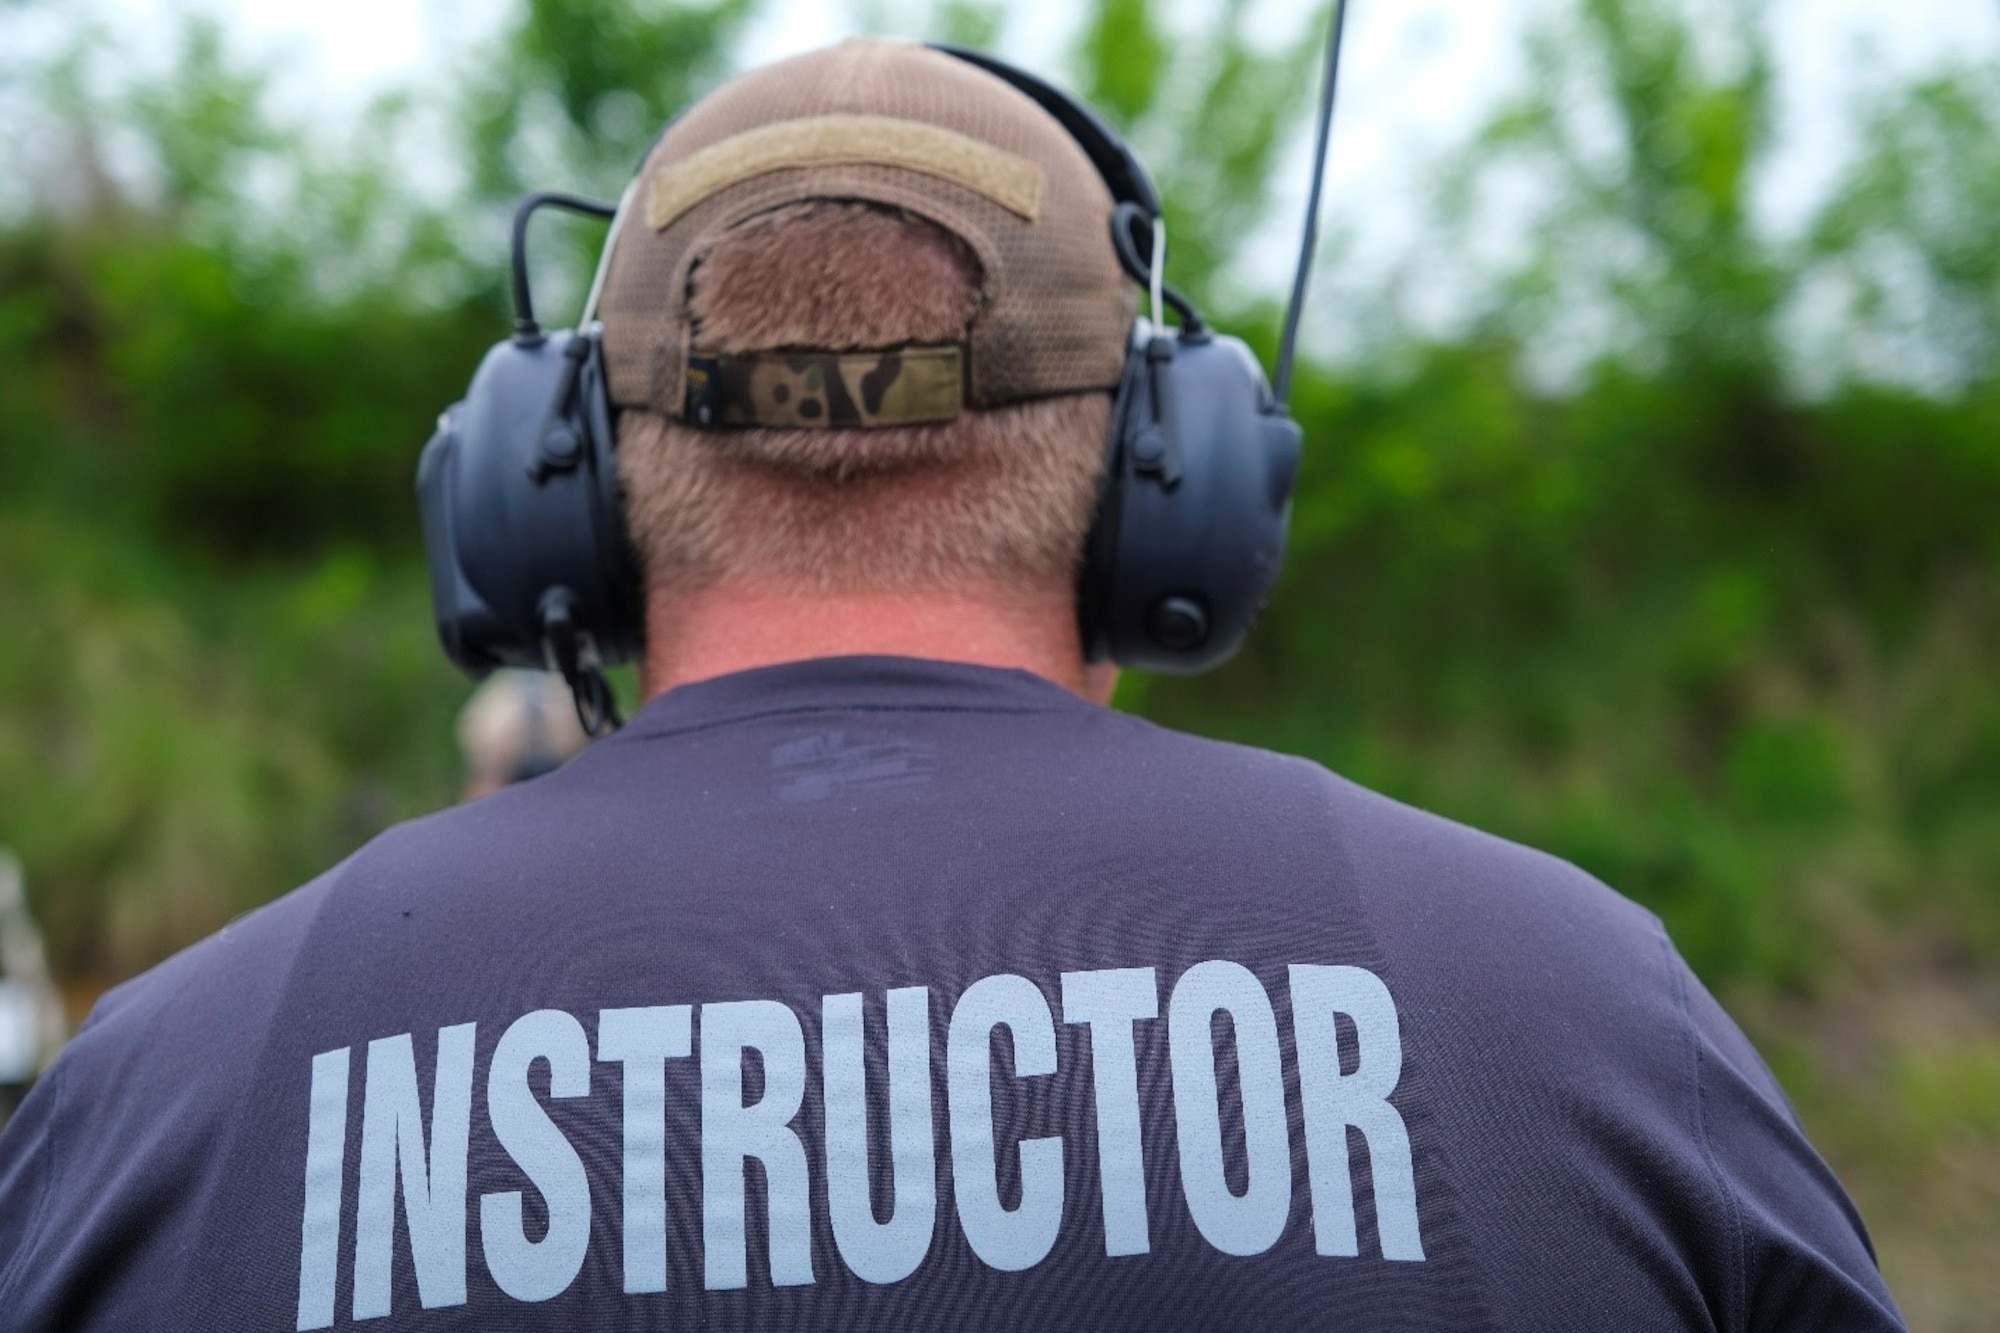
[(176, 323), (1209, 102), (974, 23), (1914, 237), (1644, 137), (574, 90)]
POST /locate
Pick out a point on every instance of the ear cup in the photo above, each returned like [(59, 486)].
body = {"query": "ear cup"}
[(1192, 518), (522, 512)]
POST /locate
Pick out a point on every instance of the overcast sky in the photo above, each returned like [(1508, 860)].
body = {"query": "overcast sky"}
[(1419, 76), (1418, 70)]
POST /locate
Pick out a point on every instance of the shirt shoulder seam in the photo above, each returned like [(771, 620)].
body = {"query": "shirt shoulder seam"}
[(1732, 1210)]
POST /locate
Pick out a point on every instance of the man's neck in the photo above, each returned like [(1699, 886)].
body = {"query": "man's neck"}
[(698, 634)]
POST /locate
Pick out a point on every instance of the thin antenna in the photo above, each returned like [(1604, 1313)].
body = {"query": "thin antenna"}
[(1328, 82)]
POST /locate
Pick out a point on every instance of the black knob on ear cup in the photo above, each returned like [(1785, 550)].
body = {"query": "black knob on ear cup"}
[(1177, 624), (561, 450), (1149, 450)]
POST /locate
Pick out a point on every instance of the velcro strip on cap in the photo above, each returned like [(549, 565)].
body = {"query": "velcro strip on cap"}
[(900, 386), (1011, 181)]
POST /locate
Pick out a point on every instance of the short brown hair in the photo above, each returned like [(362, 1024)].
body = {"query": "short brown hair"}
[(1002, 496)]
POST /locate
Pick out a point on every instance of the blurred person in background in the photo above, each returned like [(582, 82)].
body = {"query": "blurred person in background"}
[(31, 1017), (877, 974), (517, 725)]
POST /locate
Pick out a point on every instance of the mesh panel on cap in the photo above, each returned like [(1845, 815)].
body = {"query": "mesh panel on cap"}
[(1056, 305)]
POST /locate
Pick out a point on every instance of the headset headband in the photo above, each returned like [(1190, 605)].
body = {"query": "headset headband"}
[(1124, 175)]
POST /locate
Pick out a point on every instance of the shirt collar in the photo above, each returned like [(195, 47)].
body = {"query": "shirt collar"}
[(837, 683)]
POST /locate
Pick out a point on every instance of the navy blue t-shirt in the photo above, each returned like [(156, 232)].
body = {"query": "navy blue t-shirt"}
[(876, 993)]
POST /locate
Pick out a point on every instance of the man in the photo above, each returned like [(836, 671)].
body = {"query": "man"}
[(876, 975), (517, 725), (31, 1018)]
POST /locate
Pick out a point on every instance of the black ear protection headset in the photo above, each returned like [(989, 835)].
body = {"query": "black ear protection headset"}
[(524, 528)]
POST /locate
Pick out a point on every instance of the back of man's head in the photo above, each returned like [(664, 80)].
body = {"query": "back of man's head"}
[(996, 497), (814, 231)]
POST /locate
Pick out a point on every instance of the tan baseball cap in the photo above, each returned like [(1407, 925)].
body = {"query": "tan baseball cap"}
[(895, 124)]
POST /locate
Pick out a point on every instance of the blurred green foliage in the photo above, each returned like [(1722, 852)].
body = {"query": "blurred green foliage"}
[(1675, 553), (578, 88), (1665, 611)]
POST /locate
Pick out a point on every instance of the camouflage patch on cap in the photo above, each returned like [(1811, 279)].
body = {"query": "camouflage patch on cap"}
[(897, 386)]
